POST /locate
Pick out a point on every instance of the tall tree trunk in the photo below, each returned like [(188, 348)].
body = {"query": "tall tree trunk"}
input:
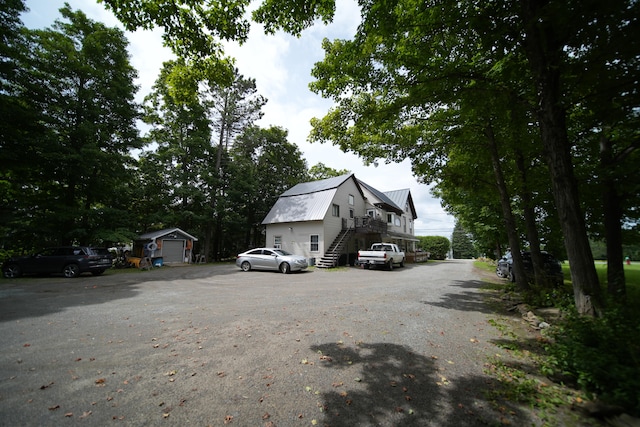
[(611, 205), (544, 50), (507, 213), (531, 226)]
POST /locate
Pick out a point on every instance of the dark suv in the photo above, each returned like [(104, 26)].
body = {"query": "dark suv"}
[(71, 261), (552, 267)]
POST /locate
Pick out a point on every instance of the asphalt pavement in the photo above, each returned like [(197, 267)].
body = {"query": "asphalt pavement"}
[(210, 345)]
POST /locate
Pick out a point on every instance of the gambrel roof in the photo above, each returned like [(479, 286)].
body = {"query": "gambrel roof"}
[(308, 201)]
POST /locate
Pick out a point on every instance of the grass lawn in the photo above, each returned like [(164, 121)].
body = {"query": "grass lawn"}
[(631, 274)]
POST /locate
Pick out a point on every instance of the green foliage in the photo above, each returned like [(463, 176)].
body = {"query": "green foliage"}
[(461, 243), (320, 171), (601, 354), (264, 165), (437, 246), (68, 158), (191, 28)]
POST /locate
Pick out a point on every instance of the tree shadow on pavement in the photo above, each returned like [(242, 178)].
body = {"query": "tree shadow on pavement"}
[(390, 385), (39, 296), (471, 300)]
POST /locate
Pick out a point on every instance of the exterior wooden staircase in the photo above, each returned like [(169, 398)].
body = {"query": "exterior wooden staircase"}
[(332, 255)]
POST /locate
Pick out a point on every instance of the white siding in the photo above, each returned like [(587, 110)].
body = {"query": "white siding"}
[(296, 237)]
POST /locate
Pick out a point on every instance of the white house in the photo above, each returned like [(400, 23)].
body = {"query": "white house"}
[(329, 220)]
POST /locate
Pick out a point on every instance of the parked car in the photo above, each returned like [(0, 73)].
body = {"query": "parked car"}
[(71, 261), (552, 267), (271, 259)]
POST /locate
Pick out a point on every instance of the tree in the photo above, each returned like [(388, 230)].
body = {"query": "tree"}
[(321, 171), (76, 85), (14, 118), (265, 165), (461, 243), (232, 109)]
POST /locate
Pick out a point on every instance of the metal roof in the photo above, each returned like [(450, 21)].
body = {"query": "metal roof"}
[(310, 201), (401, 198), (385, 201), (301, 207), (315, 186)]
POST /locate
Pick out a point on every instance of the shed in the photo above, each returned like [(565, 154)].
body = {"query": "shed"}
[(173, 245)]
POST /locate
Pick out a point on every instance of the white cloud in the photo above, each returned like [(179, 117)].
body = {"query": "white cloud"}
[(281, 65)]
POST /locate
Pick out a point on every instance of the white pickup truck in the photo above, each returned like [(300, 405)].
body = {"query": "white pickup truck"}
[(381, 255)]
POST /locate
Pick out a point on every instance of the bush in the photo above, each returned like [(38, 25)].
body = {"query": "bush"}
[(437, 246), (601, 354)]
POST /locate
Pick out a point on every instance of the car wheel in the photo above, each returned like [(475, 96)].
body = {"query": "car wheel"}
[(390, 265), (285, 268), (402, 263), (97, 272), (511, 277), (12, 271), (245, 266), (71, 271)]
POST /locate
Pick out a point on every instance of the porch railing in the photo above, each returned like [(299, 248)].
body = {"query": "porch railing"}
[(366, 224)]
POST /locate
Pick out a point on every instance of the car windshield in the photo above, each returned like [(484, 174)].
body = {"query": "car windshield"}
[(282, 252)]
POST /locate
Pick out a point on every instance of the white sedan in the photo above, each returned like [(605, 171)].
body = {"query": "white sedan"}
[(271, 259)]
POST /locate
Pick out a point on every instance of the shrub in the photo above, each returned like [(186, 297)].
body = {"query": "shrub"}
[(601, 354), (437, 246)]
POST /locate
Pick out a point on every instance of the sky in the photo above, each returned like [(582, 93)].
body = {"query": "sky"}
[(281, 65)]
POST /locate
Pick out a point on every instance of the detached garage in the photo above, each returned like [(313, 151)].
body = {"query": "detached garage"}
[(172, 245)]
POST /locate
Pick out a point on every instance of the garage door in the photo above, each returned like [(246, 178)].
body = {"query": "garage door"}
[(172, 251)]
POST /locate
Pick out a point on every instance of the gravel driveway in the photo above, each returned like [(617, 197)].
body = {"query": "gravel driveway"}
[(211, 345)]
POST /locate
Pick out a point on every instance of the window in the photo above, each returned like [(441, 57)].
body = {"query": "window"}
[(336, 210), (351, 200), (371, 213), (314, 245), (389, 218), (277, 242), (351, 214)]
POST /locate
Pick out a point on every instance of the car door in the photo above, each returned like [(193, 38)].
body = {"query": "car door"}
[(42, 262), (256, 259), (270, 259)]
